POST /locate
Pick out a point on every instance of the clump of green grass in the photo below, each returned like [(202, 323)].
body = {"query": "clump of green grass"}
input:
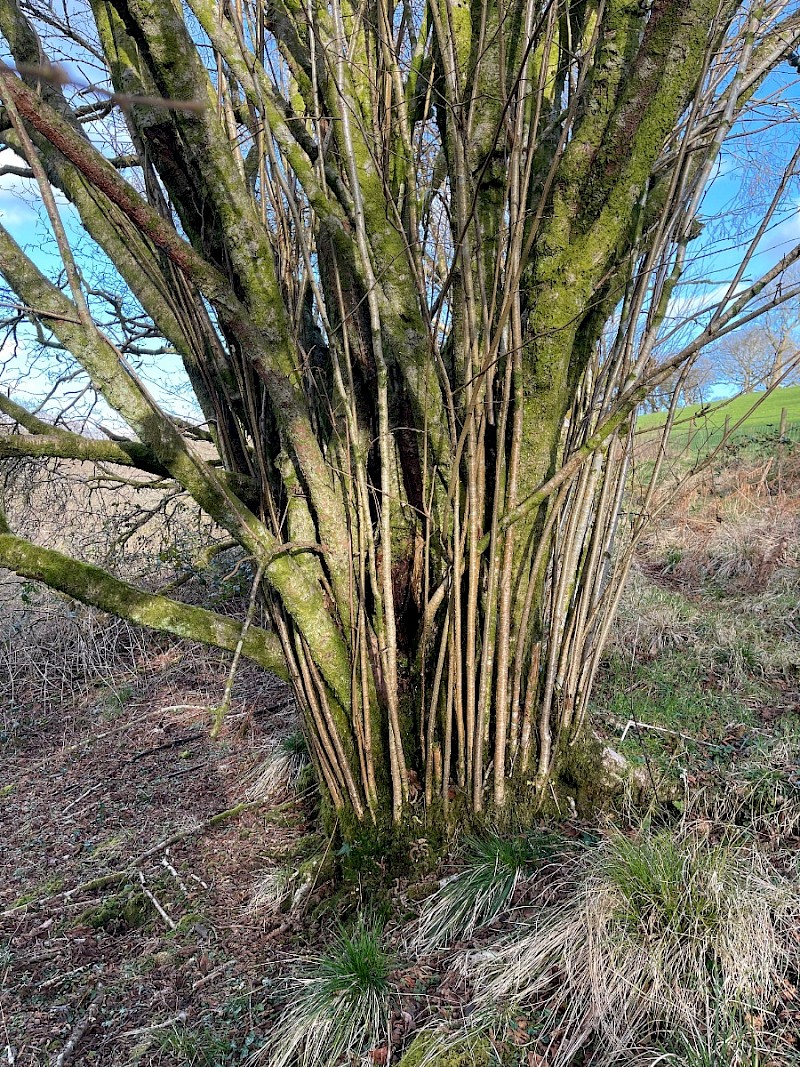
[(657, 928), (294, 744), (340, 1009), (196, 1048), (492, 869)]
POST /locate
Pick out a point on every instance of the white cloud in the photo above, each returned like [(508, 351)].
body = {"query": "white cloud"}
[(21, 209)]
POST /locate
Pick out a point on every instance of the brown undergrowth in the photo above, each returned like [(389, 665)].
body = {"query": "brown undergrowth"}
[(732, 529)]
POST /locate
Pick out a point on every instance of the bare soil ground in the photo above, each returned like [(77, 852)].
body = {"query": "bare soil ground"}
[(107, 959), (87, 788)]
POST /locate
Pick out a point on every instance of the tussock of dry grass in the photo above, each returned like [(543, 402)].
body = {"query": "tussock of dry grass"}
[(655, 930), (652, 620), (757, 638), (277, 779), (279, 773), (273, 891), (717, 579), (741, 555)]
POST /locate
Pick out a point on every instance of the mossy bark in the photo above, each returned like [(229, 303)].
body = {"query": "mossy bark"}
[(100, 589)]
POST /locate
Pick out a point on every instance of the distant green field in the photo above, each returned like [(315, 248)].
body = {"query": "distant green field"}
[(710, 418)]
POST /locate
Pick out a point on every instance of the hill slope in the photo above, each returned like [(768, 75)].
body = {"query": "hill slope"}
[(712, 416)]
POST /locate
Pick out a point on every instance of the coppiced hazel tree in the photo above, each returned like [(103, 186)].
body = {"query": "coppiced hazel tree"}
[(419, 261)]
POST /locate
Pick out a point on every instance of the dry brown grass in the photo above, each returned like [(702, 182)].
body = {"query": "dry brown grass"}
[(735, 527)]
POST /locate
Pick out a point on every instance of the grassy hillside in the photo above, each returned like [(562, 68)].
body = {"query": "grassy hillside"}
[(710, 418)]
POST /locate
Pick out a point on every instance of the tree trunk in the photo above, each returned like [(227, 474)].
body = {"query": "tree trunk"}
[(415, 260)]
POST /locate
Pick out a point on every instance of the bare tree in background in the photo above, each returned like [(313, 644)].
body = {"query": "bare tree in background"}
[(760, 355), (691, 384), (386, 242)]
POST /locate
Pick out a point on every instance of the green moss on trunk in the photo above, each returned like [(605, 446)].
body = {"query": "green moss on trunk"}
[(96, 587)]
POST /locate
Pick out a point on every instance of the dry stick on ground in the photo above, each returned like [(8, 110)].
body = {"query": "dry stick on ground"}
[(638, 724), (62, 977), (174, 743), (165, 863), (87, 792), (151, 897), (113, 878), (83, 1024), (181, 1017), (207, 979), (184, 770)]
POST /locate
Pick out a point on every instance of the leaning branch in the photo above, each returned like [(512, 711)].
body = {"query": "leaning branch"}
[(23, 417), (94, 586), (81, 1027), (74, 446), (55, 443), (100, 172), (127, 394)]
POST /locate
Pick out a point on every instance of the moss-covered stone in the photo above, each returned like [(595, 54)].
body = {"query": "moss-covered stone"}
[(430, 1049), (191, 923), (115, 914), (597, 775)]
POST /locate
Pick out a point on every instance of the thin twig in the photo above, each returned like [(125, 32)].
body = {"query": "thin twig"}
[(85, 1023), (637, 724), (151, 897)]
